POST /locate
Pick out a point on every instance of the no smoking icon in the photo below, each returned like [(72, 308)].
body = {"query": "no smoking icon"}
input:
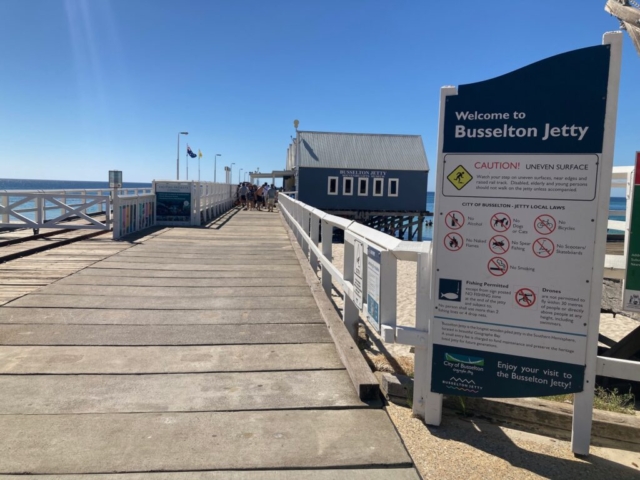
[(454, 220), (453, 241), (545, 224), (499, 244), (525, 297), (498, 266)]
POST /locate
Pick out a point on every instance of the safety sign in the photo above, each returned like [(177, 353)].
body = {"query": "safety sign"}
[(545, 224), (374, 257), (459, 177), (498, 266), (500, 222), (514, 240), (454, 220), (499, 244), (631, 295), (358, 266), (543, 247), (525, 297), (453, 241)]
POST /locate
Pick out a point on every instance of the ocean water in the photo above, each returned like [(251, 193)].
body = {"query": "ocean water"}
[(52, 212), (616, 203)]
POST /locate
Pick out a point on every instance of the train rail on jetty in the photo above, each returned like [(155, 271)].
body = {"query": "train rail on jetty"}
[(188, 349)]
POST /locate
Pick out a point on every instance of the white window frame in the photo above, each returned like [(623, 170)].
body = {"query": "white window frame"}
[(329, 192), (344, 183), (397, 187), (381, 182), (366, 190)]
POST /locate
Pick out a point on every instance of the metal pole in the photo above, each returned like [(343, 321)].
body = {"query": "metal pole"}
[(239, 172), (215, 167), (187, 159), (178, 160), (198, 167)]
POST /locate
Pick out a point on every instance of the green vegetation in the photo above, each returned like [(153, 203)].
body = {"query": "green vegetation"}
[(609, 400)]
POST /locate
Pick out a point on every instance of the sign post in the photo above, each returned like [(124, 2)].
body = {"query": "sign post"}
[(631, 297), (522, 198)]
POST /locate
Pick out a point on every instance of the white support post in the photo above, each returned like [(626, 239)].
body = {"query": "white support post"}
[(305, 228), (315, 235), (4, 201), (350, 313), (327, 252), (388, 289), (40, 210), (583, 401)]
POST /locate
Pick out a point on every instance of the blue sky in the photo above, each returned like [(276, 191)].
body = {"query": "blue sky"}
[(93, 85)]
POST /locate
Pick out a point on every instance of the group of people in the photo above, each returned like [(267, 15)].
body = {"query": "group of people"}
[(253, 197)]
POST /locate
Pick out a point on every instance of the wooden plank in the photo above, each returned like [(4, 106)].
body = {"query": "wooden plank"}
[(326, 474), (244, 261), (164, 303), (190, 291), (45, 334), (100, 360), (98, 443), (118, 272), (363, 379), (201, 392), (246, 281), (275, 267), (79, 316)]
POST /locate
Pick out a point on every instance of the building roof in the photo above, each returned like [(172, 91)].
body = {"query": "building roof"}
[(362, 150)]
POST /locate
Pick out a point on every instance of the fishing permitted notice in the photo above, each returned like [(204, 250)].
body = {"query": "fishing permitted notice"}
[(515, 229)]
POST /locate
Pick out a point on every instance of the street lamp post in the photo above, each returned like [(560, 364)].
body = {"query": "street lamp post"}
[(215, 168), (231, 173), (239, 172), (178, 159)]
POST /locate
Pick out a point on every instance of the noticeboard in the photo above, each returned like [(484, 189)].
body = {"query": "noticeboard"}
[(516, 204), (358, 270), (631, 297), (173, 203), (373, 287)]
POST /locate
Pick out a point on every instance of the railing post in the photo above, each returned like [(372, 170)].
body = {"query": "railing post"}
[(327, 252), (39, 210), (315, 236), (350, 313), (117, 221), (305, 228), (4, 200)]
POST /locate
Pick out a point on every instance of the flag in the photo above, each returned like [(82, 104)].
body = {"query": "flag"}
[(190, 152), (199, 154)]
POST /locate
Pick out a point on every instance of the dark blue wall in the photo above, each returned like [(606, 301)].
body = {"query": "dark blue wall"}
[(412, 190)]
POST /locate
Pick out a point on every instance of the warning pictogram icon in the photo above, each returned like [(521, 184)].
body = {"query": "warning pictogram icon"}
[(459, 177), (453, 241), (525, 297), (545, 224), (499, 244), (500, 222), (543, 247), (454, 220), (498, 266)]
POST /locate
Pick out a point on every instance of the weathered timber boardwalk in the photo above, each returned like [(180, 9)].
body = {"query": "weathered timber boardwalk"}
[(200, 352)]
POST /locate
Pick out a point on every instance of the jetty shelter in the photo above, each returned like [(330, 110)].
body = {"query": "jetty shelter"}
[(356, 172)]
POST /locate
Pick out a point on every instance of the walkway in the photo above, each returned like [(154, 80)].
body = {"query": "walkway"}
[(195, 350)]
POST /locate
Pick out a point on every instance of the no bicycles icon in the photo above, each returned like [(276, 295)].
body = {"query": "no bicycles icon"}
[(545, 224)]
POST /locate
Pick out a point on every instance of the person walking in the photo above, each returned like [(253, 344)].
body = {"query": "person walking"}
[(251, 197), (243, 190), (272, 194), (260, 198)]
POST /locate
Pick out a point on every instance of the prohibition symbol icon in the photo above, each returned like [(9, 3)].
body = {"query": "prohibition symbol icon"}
[(453, 241), (497, 266), (454, 220), (543, 247), (545, 224), (500, 222), (525, 297), (499, 244)]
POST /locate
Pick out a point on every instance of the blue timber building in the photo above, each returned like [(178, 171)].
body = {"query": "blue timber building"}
[(359, 174)]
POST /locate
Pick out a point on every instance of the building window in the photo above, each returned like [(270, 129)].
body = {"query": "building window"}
[(393, 187), (347, 186), (363, 187), (378, 187), (333, 186)]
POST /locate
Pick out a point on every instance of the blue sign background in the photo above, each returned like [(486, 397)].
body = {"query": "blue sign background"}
[(567, 89)]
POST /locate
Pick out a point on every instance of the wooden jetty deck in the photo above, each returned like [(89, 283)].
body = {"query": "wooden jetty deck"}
[(200, 352)]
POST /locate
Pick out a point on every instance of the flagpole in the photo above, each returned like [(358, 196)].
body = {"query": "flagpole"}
[(187, 157), (198, 166)]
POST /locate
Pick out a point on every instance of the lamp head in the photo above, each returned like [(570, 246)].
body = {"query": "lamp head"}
[(184, 133)]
